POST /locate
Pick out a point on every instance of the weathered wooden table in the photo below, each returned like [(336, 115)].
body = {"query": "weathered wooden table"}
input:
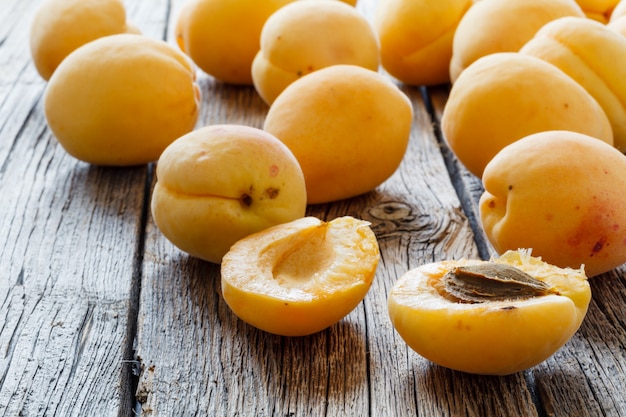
[(101, 316)]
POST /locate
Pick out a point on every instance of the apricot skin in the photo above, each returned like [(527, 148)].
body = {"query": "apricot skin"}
[(107, 103), (220, 183), (561, 194), (416, 38), (305, 36), (595, 57), (491, 338), (222, 37), (505, 96), (348, 127), (492, 26), (61, 26)]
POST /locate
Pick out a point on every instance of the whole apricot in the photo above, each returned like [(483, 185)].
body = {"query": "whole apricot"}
[(491, 26), (505, 96), (221, 183), (222, 37), (599, 10), (121, 100), (305, 36), (60, 26), (348, 127), (416, 38), (492, 317), (594, 56), (562, 194), (300, 277)]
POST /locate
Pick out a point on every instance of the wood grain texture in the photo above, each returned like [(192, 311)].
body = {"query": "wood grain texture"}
[(92, 294)]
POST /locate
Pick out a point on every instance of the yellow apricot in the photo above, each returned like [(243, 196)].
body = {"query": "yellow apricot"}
[(562, 194), (598, 10), (305, 36), (220, 183), (348, 127), (594, 56), (618, 11), (121, 99), (493, 337), (618, 25), (491, 26), (60, 26), (222, 37), (416, 38), (300, 277), (505, 96)]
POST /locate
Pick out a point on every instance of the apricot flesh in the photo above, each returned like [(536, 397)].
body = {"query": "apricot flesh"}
[(348, 127), (305, 36), (491, 337), (594, 56), (60, 26), (107, 103), (506, 96), (562, 194), (220, 183), (416, 38), (300, 277)]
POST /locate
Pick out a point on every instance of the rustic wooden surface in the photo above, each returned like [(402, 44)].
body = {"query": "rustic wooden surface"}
[(101, 316)]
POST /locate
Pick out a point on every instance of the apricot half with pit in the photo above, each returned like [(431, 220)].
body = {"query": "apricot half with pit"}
[(301, 277), (562, 194), (492, 317), (220, 183)]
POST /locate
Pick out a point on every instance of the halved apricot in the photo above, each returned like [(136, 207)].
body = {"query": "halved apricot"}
[(492, 317), (300, 277)]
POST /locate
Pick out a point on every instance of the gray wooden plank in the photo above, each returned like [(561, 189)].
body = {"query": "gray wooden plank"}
[(71, 235)]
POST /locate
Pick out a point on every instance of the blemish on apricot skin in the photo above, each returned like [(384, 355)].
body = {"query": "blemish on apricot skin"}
[(246, 200), (491, 204), (273, 171), (598, 246), (508, 308), (272, 193)]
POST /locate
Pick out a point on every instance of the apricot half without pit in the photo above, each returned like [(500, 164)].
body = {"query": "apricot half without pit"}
[(301, 277), (492, 317)]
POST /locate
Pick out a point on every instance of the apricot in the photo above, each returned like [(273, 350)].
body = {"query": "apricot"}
[(491, 26), (595, 57), (305, 36), (562, 194), (416, 38), (598, 10), (348, 127), (301, 277), (121, 100), (222, 37), (492, 317), (221, 183), (60, 26), (505, 96), (618, 25), (618, 11)]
